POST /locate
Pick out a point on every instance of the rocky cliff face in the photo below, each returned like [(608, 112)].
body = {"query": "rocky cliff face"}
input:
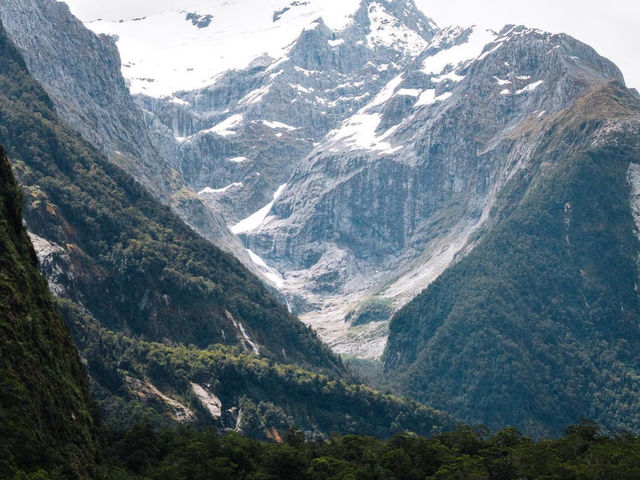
[(395, 194), (81, 73), (242, 138)]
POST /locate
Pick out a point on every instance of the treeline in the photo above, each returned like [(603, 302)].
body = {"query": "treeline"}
[(260, 397), (467, 453)]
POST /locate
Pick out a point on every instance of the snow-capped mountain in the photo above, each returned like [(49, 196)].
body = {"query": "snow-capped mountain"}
[(207, 38), (355, 147), (471, 195), (400, 190)]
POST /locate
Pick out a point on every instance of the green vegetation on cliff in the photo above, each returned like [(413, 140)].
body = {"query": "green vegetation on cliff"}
[(134, 264), (45, 422), (538, 325)]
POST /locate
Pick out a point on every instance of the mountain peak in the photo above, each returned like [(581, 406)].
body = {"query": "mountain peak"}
[(198, 44), (226, 35)]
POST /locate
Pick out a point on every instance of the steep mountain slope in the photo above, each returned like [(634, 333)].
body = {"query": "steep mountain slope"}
[(86, 87), (44, 401), (81, 73), (129, 261), (136, 285), (242, 137), (538, 325), (387, 200)]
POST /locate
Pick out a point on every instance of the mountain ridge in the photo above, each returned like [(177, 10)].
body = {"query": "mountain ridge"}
[(575, 257)]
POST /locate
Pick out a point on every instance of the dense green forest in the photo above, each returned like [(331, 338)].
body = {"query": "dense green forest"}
[(45, 415), (538, 325), (464, 454)]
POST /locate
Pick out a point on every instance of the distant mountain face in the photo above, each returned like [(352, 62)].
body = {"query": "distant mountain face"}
[(392, 196), (362, 155), (241, 138), (207, 38)]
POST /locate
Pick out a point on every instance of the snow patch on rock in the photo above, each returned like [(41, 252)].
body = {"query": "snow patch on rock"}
[(359, 132), (279, 125), (428, 97), (530, 88), (255, 220), (247, 342), (457, 55), (225, 127), (238, 160), (387, 31), (213, 191), (268, 272)]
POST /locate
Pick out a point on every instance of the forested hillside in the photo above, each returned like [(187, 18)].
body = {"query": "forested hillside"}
[(538, 325), (45, 420), (133, 264)]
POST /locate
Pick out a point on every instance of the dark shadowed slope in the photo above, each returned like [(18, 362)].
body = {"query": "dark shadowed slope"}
[(45, 422)]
